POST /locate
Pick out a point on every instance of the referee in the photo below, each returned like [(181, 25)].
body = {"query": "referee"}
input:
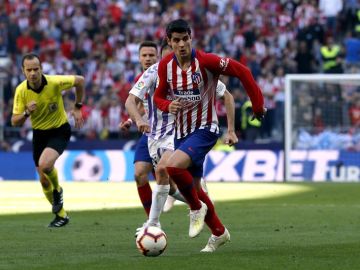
[(39, 97)]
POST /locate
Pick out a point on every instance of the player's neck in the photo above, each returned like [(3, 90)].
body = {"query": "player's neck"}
[(184, 62)]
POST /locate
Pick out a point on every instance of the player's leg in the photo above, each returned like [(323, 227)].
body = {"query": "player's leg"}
[(174, 195), (204, 185), (177, 168), (142, 170), (220, 235), (196, 146), (160, 150), (143, 166), (161, 189)]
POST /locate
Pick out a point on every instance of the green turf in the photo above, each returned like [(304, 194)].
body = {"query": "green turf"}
[(318, 229)]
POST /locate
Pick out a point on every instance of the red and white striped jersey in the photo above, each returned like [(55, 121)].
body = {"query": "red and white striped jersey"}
[(161, 123), (196, 87)]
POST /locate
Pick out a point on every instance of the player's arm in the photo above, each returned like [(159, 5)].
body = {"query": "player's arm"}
[(230, 67), (161, 92), (79, 94), (132, 105), (230, 136), (224, 94)]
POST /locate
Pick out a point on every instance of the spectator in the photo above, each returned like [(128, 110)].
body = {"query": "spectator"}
[(352, 49), (330, 9), (331, 56), (304, 59), (100, 38)]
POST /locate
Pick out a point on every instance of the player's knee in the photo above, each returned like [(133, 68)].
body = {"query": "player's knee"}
[(141, 178), (161, 170)]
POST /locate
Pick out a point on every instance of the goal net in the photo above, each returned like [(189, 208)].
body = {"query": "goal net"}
[(322, 127)]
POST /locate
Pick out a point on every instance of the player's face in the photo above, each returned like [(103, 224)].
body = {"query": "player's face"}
[(181, 44), (32, 71), (148, 57)]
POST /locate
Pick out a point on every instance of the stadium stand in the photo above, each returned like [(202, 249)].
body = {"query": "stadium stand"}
[(99, 39)]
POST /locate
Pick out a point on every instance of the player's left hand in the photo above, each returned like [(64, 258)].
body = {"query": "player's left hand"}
[(143, 126), (79, 120), (259, 115), (231, 138)]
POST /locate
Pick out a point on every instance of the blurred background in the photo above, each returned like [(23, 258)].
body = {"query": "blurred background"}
[(99, 39)]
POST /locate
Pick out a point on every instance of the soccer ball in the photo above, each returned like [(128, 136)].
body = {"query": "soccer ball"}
[(151, 241)]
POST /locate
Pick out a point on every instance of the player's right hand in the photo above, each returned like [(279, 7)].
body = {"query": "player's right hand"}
[(143, 126), (175, 106), (231, 138)]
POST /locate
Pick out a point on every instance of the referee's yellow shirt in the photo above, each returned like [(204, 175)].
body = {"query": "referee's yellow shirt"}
[(50, 112)]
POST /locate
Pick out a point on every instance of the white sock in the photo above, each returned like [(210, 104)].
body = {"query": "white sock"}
[(177, 196), (159, 195)]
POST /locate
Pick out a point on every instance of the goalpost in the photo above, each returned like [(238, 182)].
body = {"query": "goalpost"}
[(321, 142)]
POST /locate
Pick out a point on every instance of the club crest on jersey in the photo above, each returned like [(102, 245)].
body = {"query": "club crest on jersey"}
[(140, 85), (223, 63), (196, 77)]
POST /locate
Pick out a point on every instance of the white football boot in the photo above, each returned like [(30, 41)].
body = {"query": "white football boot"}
[(216, 241), (197, 222)]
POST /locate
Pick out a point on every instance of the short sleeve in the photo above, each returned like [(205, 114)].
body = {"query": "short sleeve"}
[(220, 89), (19, 106), (145, 82), (65, 82)]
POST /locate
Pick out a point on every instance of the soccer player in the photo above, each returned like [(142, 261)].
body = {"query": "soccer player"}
[(190, 76), (142, 92), (148, 55), (160, 132), (40, 98)]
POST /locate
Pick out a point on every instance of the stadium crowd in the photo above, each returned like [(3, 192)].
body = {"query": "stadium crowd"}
[(99, 39)]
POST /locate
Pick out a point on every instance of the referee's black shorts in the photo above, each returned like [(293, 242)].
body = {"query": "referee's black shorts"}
[(57, 139)]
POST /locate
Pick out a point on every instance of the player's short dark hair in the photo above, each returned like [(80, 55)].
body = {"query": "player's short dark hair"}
[(148, 43), (164, 45), (29, 56), (178, 26)]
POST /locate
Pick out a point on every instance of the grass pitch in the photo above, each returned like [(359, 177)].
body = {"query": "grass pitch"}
[(272, 226)]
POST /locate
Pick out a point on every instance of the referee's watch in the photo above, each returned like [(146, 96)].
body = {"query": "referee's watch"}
[(78, 105), (26, 113)]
